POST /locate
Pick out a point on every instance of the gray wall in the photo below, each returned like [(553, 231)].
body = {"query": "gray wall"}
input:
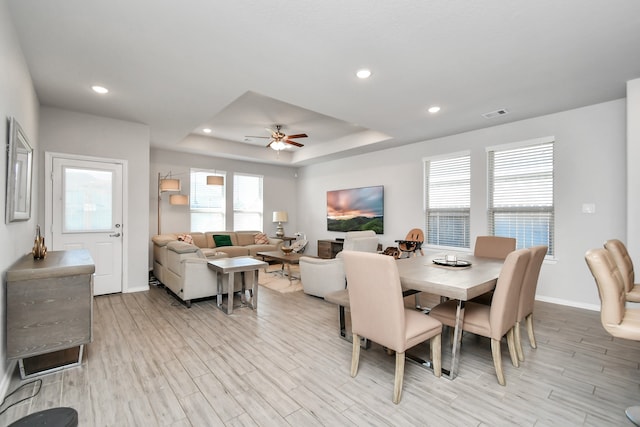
[(590, 167), (68, 132), (17, 99)]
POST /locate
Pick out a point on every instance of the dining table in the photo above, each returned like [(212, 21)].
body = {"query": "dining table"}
[(451, 275)]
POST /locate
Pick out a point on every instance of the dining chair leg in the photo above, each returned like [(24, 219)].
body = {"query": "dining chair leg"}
[(532, 337), (497, 360), (511, 344), (355, 355), (435, 347), (397, 384), (518, 338)]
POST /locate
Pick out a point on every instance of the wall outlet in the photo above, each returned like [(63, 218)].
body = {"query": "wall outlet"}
[(588, 208)]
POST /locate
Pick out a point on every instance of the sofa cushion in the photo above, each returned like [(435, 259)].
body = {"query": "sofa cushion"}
[(181, 247), (222, 240), (261, 239), (199, 239), (246, 238), (163, 239), (234, 251)]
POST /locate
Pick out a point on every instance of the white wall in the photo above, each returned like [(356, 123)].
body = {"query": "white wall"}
[(590, 167), (17, 99), (279, 190), (65, 131)]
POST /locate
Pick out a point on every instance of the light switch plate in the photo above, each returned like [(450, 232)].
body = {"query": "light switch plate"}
[(588, 208)]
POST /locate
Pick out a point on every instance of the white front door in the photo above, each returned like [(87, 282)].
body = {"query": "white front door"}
[(86, 212)]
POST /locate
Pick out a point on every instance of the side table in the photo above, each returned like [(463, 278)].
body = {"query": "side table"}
[(231, 266)]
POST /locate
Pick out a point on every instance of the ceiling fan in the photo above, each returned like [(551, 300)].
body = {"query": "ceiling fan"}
[(279, 140)]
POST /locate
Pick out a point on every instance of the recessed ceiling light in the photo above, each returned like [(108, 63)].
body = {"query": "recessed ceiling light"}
[(434, 109), (100, 89), (363, 74), (206, 130)]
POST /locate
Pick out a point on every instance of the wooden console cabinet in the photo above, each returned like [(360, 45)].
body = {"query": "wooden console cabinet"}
[(329, 248), (49, 309)]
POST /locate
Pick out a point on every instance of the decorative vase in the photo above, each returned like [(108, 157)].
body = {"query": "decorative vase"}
[(39, 250)]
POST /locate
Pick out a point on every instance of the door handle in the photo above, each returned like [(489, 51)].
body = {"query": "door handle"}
[(114, 235)]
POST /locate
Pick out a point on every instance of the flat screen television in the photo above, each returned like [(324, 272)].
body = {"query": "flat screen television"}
[(356, 209)]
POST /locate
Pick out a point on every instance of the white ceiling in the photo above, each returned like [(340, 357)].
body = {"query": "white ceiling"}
[(241, 66)]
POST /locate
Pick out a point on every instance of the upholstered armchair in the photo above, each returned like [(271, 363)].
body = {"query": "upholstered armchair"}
[(361, 241), (321, 276)]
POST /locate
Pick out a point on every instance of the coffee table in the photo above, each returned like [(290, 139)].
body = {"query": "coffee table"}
[(285, 259), (231, 266)]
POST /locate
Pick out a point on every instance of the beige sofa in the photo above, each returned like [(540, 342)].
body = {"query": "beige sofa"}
[(242, 244), (187, 274)]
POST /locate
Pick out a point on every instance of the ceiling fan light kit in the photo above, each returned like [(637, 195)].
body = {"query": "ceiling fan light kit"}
[(279, 140)]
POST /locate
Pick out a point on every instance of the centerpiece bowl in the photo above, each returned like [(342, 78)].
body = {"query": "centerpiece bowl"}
[(287, 249)]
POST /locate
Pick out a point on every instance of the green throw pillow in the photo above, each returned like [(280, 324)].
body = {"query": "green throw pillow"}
[(222, 240)]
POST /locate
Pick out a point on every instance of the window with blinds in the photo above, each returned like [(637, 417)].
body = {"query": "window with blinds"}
[(521, 194), (448, 201), (207, 202), (247, 202)]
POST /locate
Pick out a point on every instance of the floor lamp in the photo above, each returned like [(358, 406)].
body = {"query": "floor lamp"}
[(168, 184)]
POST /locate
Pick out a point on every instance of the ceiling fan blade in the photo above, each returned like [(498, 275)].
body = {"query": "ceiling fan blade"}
[(297, 144), (251, 136), (271, 142), (299, 135)]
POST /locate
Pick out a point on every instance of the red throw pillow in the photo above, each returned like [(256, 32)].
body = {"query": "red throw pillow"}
[(261, 239)]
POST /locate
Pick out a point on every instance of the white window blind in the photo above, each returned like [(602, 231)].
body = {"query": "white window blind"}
[(521, 194), (247, 202), (448, 201), (207, 202)]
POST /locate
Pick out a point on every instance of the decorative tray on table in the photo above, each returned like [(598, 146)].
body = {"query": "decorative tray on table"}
[(456, 263)]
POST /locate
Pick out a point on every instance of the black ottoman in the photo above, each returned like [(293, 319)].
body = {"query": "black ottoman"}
[(55, 417)]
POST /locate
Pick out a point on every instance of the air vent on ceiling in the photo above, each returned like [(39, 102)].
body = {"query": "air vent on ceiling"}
[(492, 114)]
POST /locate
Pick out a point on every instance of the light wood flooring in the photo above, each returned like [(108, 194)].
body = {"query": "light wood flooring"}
[(153, 362)]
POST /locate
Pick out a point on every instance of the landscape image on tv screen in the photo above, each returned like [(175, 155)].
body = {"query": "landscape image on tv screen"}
[(356, 209)]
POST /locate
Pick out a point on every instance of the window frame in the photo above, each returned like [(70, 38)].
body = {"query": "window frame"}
[(239, 211), (222, 211), (455, 211), (529, 212)]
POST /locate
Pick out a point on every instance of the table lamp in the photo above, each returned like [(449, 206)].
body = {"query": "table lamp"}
[(280, 217)]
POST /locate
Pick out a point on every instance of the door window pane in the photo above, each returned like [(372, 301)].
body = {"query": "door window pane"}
[(88, 204)]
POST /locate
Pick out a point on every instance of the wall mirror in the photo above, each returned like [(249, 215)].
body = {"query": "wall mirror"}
[(19, 163)]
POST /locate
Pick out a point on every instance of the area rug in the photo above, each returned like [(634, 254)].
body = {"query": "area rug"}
[(274, 280)]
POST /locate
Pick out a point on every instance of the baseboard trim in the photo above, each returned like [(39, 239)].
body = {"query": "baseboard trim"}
[(569, 303)]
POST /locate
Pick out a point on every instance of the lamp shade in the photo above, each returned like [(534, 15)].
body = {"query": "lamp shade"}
[(170, 184), (179, 199), (215, 180), (280, 216)]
